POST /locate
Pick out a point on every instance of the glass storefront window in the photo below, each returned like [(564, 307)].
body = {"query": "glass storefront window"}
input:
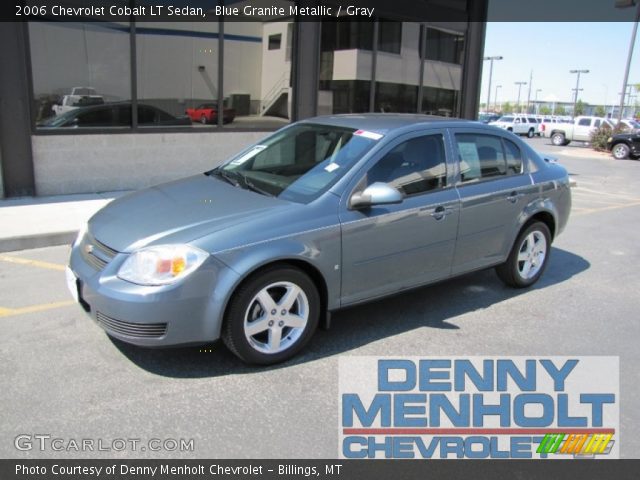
[(257, 74), (81, 74), (177, 74)]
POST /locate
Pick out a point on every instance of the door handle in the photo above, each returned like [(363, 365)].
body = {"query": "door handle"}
[(514, 196), (440, 212)]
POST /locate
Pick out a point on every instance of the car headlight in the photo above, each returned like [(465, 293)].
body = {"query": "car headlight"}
[(161, 265)]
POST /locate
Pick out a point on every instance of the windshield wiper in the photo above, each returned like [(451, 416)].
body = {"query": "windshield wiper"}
[(226, 176), (249, 185)]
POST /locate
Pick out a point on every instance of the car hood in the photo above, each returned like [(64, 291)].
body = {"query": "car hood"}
[(179, 212)]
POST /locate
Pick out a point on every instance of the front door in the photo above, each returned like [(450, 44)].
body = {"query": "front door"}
[(388, 248)]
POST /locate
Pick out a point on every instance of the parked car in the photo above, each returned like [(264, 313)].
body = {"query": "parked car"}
[(116, 114), (208, 113), (518, 124), (323, 214), (624, 145), (580, 130), (79, 97), (488, 117)]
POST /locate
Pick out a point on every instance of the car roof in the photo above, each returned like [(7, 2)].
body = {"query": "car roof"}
[(385, 122)]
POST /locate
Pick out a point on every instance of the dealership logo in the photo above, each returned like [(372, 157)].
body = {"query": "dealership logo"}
[(479, 407)]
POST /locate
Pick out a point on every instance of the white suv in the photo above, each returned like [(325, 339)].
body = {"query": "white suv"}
[(518, 124)]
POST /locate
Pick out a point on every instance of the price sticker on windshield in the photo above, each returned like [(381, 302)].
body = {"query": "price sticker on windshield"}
[(366, 134), (249, 155)]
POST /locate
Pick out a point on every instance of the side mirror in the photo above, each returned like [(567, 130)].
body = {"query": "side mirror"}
[(378, 193)]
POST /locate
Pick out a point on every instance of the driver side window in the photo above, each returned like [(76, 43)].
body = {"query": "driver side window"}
[(413, 167)]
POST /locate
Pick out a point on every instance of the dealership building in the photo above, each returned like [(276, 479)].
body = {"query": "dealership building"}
[(93, 106)]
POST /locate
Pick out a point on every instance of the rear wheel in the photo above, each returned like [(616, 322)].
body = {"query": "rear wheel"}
[(528, 257), (272, 316), (530, 133), (203, 119), (558, 139), (620, 151)]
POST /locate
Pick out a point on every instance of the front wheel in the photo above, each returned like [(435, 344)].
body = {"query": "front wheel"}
[(528, 257), (620, 151), (203, 119), (530, 133), (272, 316), (558, 139)]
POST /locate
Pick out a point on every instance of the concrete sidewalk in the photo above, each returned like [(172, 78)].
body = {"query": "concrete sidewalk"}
[(32, 222)]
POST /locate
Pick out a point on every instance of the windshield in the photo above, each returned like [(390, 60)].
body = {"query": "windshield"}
[(301, 162)]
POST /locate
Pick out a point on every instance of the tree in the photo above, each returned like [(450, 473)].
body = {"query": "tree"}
[(580, 106), (560, 110), (507, 107), (600, 111), (545, 110)]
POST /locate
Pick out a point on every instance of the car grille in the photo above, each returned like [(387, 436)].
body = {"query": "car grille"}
[(143, 330), (95, 253)]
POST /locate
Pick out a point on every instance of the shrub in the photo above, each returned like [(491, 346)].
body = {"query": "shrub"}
[(599, 137)]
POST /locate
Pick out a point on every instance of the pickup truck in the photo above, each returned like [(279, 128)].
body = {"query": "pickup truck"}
[(79, 97), (580, 130)]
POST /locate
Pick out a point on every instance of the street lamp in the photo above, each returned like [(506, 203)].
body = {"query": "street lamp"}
[(536, 101), (577, 89), (520, 84), (625, 80), (495, 97), (491, 59)]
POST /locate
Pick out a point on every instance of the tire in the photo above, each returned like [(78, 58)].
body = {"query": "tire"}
[(620, 151), (531, 133), (271, 316), (203, 119), (528, 258), (558, 139), (510, 129)]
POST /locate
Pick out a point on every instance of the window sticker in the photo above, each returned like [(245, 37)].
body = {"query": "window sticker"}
[(249, 155), (371, 135), (331, 167), (468, 151)]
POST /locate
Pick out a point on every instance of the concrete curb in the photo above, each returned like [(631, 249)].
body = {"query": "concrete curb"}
[(40, 240)]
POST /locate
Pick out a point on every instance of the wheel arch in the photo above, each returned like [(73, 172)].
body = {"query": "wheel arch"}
[(312, 271)]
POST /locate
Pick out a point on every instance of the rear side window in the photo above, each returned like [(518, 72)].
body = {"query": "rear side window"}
[(483, 157), (584, 122), (513, 157)]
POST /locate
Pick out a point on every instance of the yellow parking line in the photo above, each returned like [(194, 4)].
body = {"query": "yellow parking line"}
[(33, 263), (623, 196), (9, 312), (588, 211)]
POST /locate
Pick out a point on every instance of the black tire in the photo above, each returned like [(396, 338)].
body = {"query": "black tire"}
[(558, 139), (620, 151), (203, 119), (510, 271), (244, 302), (531, 133)]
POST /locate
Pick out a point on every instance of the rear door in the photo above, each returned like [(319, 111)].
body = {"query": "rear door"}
[(494, 188)]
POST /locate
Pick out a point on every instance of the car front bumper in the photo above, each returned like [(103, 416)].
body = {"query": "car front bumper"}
[(187, 312)]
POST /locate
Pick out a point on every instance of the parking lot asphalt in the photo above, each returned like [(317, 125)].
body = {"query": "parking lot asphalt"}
[(62, 376)]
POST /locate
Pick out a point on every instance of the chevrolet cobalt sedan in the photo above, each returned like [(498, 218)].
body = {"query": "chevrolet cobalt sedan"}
[(325, 213)]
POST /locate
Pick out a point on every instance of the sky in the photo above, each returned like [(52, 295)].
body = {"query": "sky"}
[(550, 50)]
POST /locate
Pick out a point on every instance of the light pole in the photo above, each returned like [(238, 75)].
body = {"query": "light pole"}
[(577, 89), (625, 80), (536, 100), (491, 59), (520, 84), (495, 97)]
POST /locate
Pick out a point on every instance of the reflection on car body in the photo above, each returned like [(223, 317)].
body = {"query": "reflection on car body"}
[(325, 213)]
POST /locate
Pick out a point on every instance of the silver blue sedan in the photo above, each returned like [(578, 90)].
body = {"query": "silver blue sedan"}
[(323, 214)]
